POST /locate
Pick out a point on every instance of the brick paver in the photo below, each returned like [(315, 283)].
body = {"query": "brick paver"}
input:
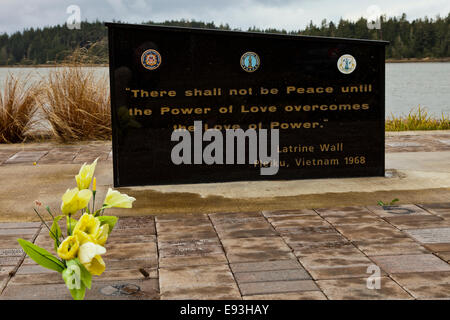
[(322, 253), (326, 253)]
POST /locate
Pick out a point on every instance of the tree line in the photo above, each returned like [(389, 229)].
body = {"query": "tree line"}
[(419, 38)]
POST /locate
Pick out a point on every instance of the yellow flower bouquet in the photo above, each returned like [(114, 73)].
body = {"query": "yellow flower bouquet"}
[(80, 250)]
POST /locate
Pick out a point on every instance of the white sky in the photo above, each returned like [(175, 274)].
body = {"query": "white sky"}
[(288, 14)]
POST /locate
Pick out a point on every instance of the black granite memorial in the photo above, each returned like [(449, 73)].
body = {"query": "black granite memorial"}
[(325, 96)]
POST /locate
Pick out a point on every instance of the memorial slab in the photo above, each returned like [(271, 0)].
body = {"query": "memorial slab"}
[(265, 266), (346, 220), (19, 225), (437, 247), (274, 275), (156, 91), (395, 246), (60, 155), (432, 235), (146, 264), (397, 210), (417, 222), (122, 251), (351, 211), (411, 263), (24, 157), (135, 222), (369, 232), (107, 290), (199, 282), (439, 208), (17, 232), (288, 213), (304, 295), (444, 255), (356, 289), (272, 287), (291, 224), (5, 155), (425, 285), (245, 230), (256, 249), (9, 260)]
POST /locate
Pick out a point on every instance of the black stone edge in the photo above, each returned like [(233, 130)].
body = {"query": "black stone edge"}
[(112, 25), (115, 137)]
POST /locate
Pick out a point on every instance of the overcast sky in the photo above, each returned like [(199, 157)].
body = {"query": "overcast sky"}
[(288, 14)]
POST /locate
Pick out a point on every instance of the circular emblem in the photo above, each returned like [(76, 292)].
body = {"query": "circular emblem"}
[(346, 64), (250, 61), (151, 59)]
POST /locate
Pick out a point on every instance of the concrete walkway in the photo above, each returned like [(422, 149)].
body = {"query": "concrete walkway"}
[(290, 254), (417, 163)]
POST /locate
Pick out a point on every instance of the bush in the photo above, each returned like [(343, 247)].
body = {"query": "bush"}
[(17, 110), (76, 104)]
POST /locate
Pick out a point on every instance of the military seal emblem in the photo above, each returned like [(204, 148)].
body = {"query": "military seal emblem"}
[(151, 59), (250, 61), (346, 64)]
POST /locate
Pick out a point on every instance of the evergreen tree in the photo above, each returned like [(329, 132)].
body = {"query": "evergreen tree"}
[(408, 39)]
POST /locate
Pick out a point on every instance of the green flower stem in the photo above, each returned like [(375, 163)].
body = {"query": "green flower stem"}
[(69, 232), (93, 200), (46, 224), (48, 210)]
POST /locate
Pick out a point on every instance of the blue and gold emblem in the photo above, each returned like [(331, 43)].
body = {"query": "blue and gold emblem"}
[(346, 64), (151, 59), (250, 61)]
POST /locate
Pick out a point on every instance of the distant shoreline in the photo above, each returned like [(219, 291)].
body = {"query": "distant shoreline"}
[(54, 65), (406, 60), (447, 59)]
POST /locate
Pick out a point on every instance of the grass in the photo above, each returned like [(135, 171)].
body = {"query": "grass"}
[(76, 104), (17, 110), (417, 119)]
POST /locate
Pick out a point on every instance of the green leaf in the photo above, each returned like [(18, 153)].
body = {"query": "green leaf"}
[(41, 256), (394, 201), (77, 278), (75, 285), (110, 220), (71, 225), (55, 231), (78, 294), (381, 203), (84, 275)]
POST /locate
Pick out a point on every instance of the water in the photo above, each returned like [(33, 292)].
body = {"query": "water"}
[(408, 85)]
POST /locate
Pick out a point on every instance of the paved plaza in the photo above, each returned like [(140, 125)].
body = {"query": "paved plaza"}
[(275, 252), (287, 254)]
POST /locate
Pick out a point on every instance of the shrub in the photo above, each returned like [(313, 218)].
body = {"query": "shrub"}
[(17, 110), (76, 104)]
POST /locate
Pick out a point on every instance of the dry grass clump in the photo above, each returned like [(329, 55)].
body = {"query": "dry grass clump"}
[(17, 110), (418, 120), (76, 104)]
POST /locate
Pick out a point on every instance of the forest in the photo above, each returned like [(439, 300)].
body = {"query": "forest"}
[(419, 38)]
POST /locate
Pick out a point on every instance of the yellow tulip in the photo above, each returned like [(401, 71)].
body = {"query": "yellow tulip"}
[(89, 256), (84, 177), (68, 249), (87, 228), (118, 200), (74, 200)]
